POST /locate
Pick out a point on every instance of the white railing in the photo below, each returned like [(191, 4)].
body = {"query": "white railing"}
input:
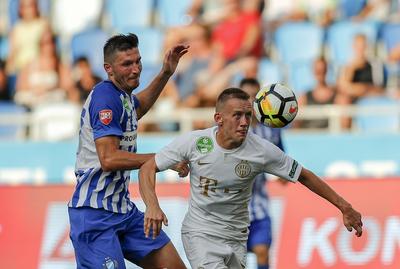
[(185, 117), (333, 113)]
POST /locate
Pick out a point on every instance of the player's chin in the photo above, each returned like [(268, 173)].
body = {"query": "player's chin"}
[(133, 83), (241, 135)]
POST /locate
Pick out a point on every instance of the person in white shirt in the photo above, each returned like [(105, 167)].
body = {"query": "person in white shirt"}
[(223, 163)]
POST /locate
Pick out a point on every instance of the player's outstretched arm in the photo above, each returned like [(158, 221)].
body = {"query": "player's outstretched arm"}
[(351, 217), (154, 217), (148, 96)]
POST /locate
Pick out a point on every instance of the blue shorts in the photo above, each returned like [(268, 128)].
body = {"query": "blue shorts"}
[(259, 233), (102, 238)]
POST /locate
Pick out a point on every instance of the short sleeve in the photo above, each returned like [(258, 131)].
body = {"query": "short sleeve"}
[(105, 110), (280, 164), (178, 150)]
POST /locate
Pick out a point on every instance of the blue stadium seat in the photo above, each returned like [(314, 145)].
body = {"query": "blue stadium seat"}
[(390, 35), (173, 12), (147, 75), (12, 131), (299, 42), (300, 76), (129, 13), (4, 47), (350, 8), (151, 42), (377, 122), (269, 72), (90, 44), (340, 39)]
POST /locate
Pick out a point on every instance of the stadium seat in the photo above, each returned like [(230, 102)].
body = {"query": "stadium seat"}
[(299, 42), (390, 35), (340, 37), (300, 76), (147, 75), (151, 42), (377, 122), (15, 130), (55, 122), (173, 12), (269, 72), (128, 13), (4, 47), (350, 8), (90, 44)]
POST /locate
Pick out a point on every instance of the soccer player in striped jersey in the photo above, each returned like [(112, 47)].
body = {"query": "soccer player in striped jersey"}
[(224, 161), (106, 227), (260, 230)]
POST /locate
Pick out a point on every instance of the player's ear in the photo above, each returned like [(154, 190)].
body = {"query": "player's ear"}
[(218, 118), (108, 68)]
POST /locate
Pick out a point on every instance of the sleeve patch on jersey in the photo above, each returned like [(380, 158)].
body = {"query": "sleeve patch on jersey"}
[(293, 170), (105, 116)]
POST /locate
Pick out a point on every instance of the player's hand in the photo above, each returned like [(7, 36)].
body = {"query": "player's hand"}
[(172, 58), (154, 217), (182, 168), (352, 219)]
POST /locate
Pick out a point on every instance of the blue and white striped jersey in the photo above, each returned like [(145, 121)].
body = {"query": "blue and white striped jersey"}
[(258, 206), (108, 111)]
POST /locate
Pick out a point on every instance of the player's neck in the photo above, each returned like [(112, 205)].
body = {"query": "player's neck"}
[(225, 142)]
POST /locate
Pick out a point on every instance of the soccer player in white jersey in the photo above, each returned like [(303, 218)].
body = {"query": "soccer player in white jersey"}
[(106, 226), (260, 230), (223, 163)]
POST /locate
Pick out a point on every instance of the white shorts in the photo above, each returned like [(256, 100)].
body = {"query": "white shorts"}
[(208, 252)]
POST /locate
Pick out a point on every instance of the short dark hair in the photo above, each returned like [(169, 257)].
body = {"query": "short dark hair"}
[(230, 93), (251, 81), (119, 42)]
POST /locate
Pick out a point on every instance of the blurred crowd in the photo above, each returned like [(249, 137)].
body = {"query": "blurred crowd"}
[(328, 51)]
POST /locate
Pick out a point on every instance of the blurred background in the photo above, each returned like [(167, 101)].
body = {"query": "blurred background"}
[(340, 57)]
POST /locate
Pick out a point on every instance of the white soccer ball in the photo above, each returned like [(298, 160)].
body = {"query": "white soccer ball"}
[(275, 105)]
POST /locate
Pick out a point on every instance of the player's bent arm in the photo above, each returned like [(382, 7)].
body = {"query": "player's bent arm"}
[(351, 218), (154, 216), (112, 158)]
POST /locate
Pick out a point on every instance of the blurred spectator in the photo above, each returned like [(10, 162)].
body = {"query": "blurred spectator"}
[(44, 80), (361, 77), (394, 54), (394, 58), (238, 34), (237, 46), (84, 80), (5, 91), (198, 37), (207, 12), (321, 94), (374, 10), (25, 36)]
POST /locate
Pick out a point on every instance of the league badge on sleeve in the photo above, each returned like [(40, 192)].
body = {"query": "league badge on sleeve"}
[(105, 116)]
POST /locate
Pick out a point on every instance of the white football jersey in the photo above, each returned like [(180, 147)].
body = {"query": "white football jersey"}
[(221, 179)]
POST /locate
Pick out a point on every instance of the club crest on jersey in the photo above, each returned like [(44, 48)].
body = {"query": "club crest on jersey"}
[(243, 169), (110, 264), (105, 116), (204, 144)]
